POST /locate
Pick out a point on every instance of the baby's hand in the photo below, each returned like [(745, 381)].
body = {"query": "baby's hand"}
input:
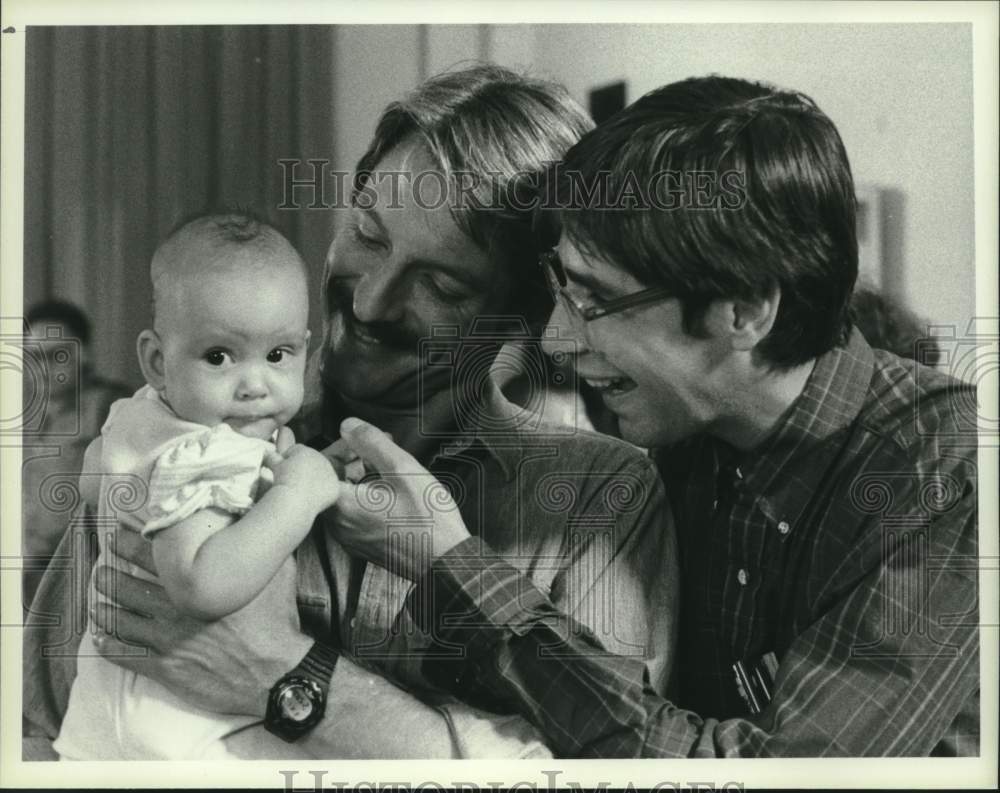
[(345, 461), (307, 473)]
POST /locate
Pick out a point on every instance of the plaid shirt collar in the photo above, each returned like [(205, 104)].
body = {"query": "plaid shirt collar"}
[(499, 430), (829, 403)]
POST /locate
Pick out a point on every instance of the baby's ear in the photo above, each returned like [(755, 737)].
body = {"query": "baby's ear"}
[(150, 351)]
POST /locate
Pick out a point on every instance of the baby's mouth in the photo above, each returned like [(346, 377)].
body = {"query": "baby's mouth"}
[(257, 425)]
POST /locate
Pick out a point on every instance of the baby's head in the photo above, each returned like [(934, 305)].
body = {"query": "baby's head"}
[(229, 336)]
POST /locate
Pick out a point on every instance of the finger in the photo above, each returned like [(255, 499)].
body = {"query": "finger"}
[(350, 505), (354, 471), (375, 447), (130, 545), (120, 627), (338, 468), (133, 593), (339, 450), (272, 459), (285, 439), (122, 653), (342, 457), (295, 450)]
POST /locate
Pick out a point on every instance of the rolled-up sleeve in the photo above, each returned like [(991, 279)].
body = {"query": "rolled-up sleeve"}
[(615, 577)]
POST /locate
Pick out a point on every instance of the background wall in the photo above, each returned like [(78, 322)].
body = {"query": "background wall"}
[(129, 129), (901, 96)]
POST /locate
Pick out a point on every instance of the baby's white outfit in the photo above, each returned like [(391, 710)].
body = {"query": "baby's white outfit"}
[(155, 471)]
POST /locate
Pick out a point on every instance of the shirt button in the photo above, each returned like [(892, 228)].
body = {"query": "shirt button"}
[(783, 527), (742, 577)]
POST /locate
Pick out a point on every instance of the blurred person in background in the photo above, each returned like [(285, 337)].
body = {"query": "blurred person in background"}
[(64, 404), (889, 325)]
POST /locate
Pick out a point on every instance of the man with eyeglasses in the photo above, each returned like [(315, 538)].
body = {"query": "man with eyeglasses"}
[(825, 493)]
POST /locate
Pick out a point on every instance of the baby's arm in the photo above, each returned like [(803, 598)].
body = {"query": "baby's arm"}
[(212, 566)]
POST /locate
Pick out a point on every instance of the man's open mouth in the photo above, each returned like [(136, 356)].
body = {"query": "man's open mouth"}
[(358, 331), (610, 386)]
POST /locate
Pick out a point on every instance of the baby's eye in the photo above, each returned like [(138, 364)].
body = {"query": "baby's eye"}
[(276, 355), (216, 357)]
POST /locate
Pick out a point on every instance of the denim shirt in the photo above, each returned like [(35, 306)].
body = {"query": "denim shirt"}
[(584, 516)]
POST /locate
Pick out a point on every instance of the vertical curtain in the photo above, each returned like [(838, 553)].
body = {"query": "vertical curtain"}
[(128, 129)]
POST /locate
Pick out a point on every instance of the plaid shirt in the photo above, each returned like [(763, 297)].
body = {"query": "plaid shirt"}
[(844, 548)]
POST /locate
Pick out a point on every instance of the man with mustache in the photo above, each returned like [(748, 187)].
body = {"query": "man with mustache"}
[(421, 296), (825, 493)]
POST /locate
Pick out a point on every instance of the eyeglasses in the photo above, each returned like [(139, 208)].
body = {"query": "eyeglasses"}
[(555, 275)]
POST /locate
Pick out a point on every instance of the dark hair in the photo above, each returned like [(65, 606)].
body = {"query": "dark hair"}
[(63, 312), (502, 129), (888, 325), (781, 208)]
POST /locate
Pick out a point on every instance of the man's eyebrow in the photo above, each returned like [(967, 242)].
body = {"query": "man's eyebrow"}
[(587, 281)]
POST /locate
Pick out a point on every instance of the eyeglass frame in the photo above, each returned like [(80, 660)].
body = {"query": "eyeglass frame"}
[(590, 313)]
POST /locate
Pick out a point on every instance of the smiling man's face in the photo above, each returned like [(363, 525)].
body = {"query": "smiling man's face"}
[(662, 383), (394, 271)]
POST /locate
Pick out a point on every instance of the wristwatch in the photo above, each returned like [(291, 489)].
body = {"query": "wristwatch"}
[(297, 701)]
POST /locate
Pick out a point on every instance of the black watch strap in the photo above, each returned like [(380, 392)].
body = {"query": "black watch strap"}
[(317, 665), (297, 702)]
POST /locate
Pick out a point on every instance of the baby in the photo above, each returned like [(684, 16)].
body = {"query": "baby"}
[(224, 366)]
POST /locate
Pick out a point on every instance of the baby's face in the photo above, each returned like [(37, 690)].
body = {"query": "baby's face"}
[(234, 348)]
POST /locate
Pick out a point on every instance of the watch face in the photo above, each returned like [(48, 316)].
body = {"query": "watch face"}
[(294, 706), (295, 703)]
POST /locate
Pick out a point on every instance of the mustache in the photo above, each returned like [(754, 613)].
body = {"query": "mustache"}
[(340, 297)]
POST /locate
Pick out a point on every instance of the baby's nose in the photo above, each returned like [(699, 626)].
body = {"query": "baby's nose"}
[(252, 386)]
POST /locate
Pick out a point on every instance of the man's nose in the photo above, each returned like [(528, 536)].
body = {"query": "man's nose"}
[(378, 293), (252, 384)]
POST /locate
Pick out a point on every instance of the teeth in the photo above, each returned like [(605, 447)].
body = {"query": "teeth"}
[(604, 383), (364, 336)]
